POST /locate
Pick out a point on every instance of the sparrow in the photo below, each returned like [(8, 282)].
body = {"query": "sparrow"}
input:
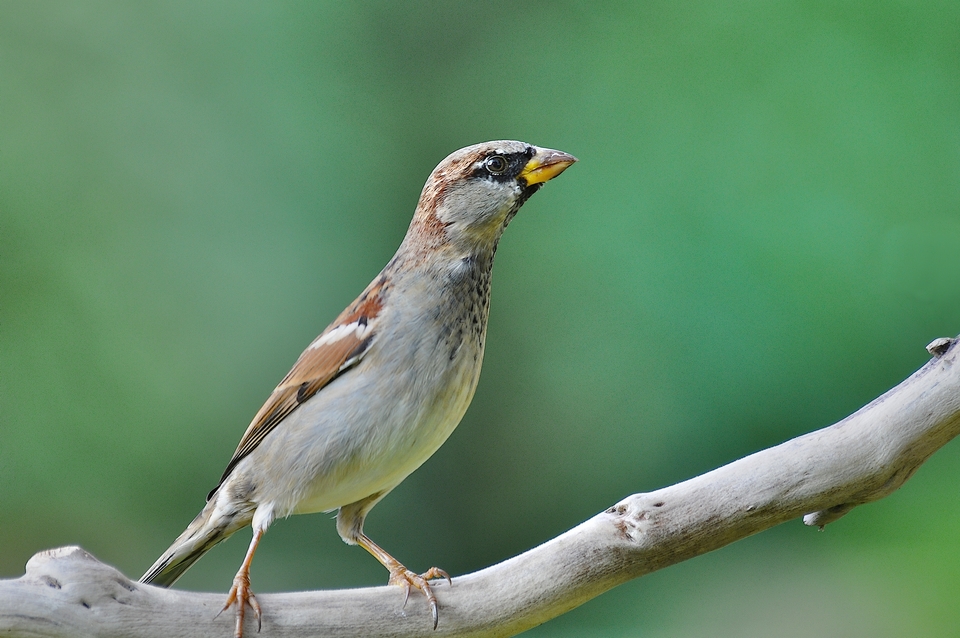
[(384, 385)]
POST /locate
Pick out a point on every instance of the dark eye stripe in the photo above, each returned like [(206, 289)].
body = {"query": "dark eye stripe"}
[(513, 164)]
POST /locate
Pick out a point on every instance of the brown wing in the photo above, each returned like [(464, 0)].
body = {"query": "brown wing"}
[(337, 349)]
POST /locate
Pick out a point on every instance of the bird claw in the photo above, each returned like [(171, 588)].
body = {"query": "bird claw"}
[(405, 578), (241, 594)]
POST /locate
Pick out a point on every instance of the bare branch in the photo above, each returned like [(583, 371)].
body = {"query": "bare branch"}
[(868, 455)]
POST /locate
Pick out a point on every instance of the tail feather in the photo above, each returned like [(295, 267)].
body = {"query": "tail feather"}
[(209, 528)]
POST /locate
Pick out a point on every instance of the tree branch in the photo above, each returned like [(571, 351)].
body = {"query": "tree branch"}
[(868, 455)]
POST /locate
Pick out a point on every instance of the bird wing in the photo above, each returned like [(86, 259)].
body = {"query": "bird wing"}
[(336, 350)]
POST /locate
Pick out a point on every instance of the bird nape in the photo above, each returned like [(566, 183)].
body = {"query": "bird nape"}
[(385, 384)]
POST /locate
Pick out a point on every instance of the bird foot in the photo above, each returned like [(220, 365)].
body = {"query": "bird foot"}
[(400, 575), (242, 595)]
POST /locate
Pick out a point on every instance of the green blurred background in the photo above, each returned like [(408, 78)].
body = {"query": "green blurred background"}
[(759, 238)]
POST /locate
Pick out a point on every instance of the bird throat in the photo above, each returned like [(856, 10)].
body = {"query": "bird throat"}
[(465, 304)]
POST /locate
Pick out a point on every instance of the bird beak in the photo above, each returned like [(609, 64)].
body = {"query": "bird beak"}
[(546, 165)]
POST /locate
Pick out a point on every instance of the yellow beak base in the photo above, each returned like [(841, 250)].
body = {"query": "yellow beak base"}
[(546, 165)]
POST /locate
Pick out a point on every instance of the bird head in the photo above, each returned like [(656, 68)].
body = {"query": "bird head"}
[(472, 195)]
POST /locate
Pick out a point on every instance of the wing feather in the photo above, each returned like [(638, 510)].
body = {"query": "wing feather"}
[(338, 348)]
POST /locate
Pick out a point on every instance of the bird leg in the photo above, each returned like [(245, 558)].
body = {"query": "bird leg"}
[(400, 575), (240, 593)]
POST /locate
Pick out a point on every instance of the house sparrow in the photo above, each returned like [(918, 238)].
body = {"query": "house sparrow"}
[(385, 384)]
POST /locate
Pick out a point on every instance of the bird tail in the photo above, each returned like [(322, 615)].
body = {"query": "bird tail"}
[(211, 526)]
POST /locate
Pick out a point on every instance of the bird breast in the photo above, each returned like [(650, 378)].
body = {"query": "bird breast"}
[(364, 433)]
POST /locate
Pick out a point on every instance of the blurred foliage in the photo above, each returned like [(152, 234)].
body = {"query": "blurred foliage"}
[(760, 238)]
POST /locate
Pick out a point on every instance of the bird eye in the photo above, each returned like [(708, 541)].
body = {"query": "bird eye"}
[(496, 164)]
